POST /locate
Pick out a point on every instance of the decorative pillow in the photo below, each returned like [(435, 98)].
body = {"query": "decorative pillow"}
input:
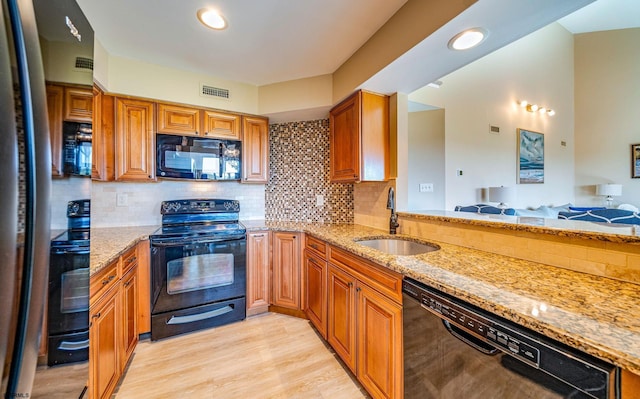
[(585, 208), (603, 216), (482, 208)]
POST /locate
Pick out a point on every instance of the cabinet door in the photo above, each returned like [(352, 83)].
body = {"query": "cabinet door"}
[(344, 144), (102, 140), (220, 124), (55, 100), (341, 326), (134, 140), (78, 105), (258, 282), (630, 385), (380, 367), (174, 119), (255, 150), (286, 270), (104, 366), (315, 272), (129, 315), (144, 287)]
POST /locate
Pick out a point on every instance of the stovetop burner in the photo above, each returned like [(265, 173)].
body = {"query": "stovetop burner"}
[(72, 238)]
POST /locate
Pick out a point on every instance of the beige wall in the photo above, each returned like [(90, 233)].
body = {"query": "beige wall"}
[(370, 204), (65, 190), (294, 100), (426, 159), (607, 122), (538, 68), (59, 60), (137, 78)]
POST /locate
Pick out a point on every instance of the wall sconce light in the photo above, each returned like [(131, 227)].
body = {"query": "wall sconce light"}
[(536, 108)]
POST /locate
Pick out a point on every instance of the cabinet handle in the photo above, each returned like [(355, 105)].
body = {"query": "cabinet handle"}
[(258, 235), (294, 237), (350, 284), (95, 316), (108, 280), (206, 133), (130, 260), (314, 246), (128, 283), (358, 289)]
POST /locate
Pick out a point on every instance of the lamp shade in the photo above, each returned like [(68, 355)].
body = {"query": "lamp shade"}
[(500, 194), (609, 189)]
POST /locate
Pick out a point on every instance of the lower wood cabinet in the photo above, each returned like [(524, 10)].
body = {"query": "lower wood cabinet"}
[(630, 385), (113, 322), (258, 273), (104, 362), (286, 270), (315, 289), (365, 324)]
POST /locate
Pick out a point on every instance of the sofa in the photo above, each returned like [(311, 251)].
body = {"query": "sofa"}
[(603, 216)]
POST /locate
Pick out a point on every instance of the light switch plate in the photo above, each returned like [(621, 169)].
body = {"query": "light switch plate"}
[(319, 200), (426, 187), (122, 199)]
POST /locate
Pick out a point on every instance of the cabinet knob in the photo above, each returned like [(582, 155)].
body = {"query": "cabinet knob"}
[(350, 284), (358, 289)]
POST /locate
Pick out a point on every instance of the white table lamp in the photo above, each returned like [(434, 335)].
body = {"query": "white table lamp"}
[(500, 194), (609, 190)]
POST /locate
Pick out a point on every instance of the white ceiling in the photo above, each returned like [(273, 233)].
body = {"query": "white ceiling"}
[(271, 41), (267, 41)]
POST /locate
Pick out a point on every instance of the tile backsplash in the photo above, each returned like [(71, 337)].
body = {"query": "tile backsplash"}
[(140, 202), (299, 188)]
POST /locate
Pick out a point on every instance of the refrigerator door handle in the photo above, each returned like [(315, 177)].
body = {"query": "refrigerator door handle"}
[(9, 183), (38, 189)]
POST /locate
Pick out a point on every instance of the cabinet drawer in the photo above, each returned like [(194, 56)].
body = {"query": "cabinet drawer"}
[(129, 260), (316, 246), (102, 281), (385, 281)]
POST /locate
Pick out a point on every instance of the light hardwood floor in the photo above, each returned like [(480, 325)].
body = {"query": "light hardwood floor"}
[(265, 356), (60, 382)]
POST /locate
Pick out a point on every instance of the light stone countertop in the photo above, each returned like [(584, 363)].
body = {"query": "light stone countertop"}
[(611, 232), (108, 243), (597, 315)]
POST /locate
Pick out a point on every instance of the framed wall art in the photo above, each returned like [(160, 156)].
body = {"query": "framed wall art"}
[(530, 157), (635, 161)]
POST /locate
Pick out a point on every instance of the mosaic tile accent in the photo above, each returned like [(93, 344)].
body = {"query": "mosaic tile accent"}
[(299, 171)]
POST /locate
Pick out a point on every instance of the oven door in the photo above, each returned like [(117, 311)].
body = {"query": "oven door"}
[(196, 282), (68, 308)]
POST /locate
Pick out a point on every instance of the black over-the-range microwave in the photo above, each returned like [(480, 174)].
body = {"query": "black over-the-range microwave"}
[(198, 158)]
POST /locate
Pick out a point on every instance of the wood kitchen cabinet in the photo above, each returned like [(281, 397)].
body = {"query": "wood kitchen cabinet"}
[(104, 339), (102, 140), (286, 270), (258, 272), (359, 138), (630, 385), (113, 317), (365, 322), (134, 140), (144, 287), (78, 104), (255, 149), (55, 99), (315, 283), (221, 124), (175, 119)]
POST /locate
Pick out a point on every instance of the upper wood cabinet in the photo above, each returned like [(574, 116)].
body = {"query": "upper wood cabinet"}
[(78, 104), (103, 140), (55, 100), (359, 138), (286, 270), (258, 272), (175, 119), (255, 149), (135, 140), (221, 124)]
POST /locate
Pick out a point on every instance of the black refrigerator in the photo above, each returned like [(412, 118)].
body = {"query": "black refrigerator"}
[(24, 246)]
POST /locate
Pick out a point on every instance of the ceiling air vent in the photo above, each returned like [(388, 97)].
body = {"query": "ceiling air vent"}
[(210, 91), (84, 64)]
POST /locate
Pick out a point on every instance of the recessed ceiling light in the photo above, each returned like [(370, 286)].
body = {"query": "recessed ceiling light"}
[(211, 19), (468, 39)]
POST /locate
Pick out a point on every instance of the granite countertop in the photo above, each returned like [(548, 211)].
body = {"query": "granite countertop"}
[(611, 232), (108, 243), (597, 315)]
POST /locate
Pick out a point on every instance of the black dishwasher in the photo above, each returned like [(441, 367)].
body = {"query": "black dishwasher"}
[(455, 350)]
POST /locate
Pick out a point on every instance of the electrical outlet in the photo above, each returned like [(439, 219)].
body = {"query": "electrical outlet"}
[(458, 172), (319, 200), (426, 187), (122, 199)]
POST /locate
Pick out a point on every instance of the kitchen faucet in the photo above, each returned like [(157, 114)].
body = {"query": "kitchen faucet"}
[(391, 204)]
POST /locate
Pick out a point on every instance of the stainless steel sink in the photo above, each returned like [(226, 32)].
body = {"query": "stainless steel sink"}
[(397, 246)]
